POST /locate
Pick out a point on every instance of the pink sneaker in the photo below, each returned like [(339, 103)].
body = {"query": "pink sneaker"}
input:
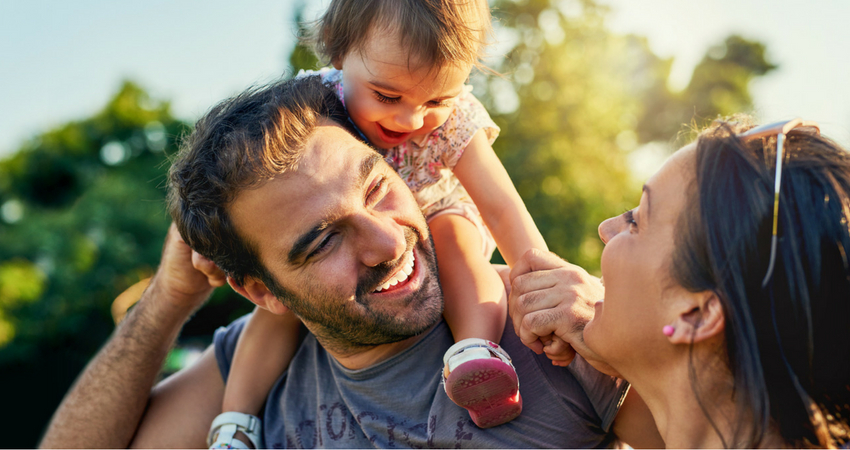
[(478, 375)]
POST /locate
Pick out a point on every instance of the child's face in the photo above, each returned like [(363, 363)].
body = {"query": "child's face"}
[(391, 103)]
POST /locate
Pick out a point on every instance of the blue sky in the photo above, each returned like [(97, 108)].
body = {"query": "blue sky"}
[(62, 60)]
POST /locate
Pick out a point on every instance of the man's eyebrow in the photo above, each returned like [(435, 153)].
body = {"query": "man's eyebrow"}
[(302, 244)]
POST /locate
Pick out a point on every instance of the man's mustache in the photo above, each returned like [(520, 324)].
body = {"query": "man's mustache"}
[(375, 277)]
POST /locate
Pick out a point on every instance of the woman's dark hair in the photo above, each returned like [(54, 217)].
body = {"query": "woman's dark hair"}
[(787, 344)]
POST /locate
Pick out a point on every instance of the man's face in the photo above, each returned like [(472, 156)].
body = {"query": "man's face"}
[(343, 236)]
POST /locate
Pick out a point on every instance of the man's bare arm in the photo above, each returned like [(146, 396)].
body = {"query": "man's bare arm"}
[(182, 407), (106, 403)]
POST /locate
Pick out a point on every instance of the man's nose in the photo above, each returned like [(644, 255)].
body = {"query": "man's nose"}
[(609, 228), (380, 239), (410, 119)]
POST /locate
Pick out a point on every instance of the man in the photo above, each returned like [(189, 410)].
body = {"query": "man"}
[(275, 189)]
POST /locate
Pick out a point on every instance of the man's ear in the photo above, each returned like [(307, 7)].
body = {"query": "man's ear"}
[(256, 291), (699, 319)]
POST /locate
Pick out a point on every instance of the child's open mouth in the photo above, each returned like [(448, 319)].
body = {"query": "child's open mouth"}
[(391, 137)]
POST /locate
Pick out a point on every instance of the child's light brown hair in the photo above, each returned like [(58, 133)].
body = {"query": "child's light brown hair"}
[(437, 32)]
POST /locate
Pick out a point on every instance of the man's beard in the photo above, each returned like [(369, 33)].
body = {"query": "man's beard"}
[(340, 327)]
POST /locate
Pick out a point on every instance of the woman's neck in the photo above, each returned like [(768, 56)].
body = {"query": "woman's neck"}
[(689, 418)]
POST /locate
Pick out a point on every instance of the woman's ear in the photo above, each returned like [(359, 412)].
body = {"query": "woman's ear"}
[(699, 320), (256, 291)]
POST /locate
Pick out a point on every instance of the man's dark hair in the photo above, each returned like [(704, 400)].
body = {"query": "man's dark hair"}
[(239, 144)]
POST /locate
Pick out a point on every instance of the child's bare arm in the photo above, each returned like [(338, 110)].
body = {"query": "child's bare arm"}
[(475, 299), (491, 189), (265, 349)]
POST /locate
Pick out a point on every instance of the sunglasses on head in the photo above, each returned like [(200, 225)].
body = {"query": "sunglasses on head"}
[(780, 130)]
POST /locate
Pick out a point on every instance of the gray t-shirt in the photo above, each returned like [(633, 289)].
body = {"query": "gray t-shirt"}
[(400, 402)]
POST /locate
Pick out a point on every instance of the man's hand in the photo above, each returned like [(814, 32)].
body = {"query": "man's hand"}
[(105, 406), (550, 303), (185, 278)]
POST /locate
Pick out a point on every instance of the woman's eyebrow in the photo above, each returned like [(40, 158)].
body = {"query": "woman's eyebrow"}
[(645, 189)]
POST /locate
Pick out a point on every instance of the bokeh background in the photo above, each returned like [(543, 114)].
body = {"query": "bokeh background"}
[(95, 96)]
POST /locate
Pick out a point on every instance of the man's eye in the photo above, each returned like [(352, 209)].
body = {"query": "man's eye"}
[(323, 246), (377, 191)]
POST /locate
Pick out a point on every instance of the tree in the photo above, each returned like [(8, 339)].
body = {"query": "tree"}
[(82, 218), (719, 86), (576, 99)]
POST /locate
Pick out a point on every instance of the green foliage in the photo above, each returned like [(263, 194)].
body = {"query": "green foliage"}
[(302, 57), (90, 221), (719, 86), (579, 89), (584, 98), (82, 217)]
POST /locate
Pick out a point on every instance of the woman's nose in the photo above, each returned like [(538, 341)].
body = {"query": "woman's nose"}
[(609, 228)]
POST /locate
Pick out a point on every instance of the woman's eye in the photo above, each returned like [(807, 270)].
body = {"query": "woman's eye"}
[(386, 99), (629, 217)]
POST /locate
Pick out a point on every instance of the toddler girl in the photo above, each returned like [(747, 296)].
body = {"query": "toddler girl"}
[(400, 68)]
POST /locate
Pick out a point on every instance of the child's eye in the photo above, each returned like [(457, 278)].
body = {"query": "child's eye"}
[(385, 99), (438, 103)]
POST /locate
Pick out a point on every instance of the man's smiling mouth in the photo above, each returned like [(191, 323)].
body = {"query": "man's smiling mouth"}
[(402, 274)]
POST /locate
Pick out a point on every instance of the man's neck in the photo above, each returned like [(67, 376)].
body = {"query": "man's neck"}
[(366, 356)]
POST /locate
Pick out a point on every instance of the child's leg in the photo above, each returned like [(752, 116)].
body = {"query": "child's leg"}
[(478, 374), (476, 304), (266, 346)]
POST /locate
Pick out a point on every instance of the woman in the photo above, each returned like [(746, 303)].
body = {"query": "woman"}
[(729, 342)]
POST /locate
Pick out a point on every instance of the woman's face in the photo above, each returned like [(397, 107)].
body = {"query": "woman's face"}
[(626, 329)]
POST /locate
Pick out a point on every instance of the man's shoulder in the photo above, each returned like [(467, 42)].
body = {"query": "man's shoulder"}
[(557, 412), (578, 390)]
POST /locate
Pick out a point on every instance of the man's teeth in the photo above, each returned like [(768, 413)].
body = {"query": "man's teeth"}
[(402, 274)]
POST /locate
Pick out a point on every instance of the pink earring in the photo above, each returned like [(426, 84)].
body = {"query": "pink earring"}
[(668, 330)]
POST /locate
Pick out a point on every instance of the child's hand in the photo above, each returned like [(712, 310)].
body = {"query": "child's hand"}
[(558, 351)]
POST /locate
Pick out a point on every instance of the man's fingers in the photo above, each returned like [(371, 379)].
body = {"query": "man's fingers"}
[(534, 260), (536, 325), (214, 275)]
